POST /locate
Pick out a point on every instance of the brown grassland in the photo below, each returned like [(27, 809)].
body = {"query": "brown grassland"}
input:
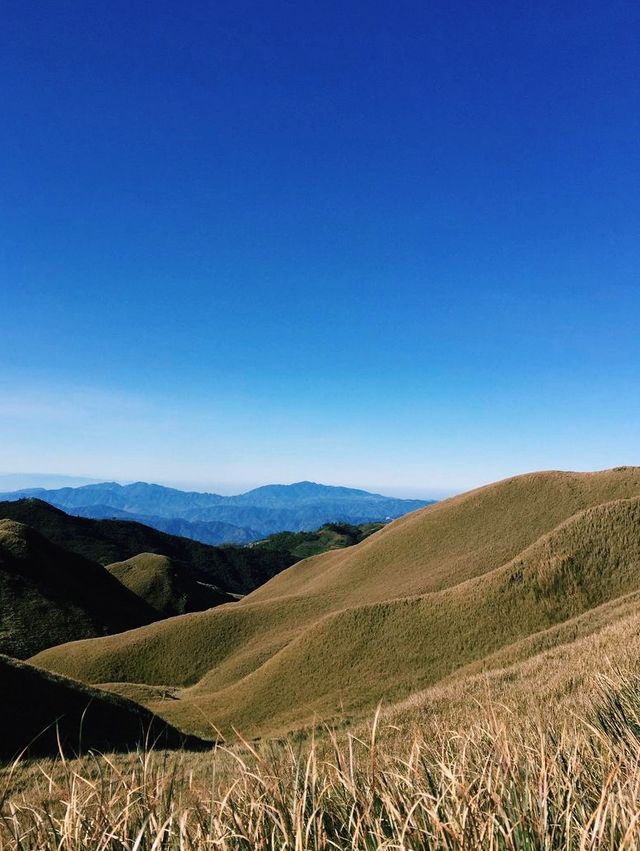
[(467, 584), (466, 678)]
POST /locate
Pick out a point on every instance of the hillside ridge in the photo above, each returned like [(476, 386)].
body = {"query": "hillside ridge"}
[(416, 601), (235, 570)]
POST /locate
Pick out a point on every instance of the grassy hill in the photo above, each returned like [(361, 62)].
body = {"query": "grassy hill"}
[(48, 595), (201, 575), (550, 676), (47, 712), (163, 586), (500, 570)]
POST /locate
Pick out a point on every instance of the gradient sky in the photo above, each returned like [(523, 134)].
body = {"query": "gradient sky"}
[(389, 245)]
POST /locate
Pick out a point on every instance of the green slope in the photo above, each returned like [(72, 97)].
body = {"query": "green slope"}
[(331, 536)]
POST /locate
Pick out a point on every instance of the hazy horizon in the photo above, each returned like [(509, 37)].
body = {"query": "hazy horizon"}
[(24, 481)]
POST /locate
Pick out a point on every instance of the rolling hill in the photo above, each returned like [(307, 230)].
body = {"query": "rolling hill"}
[(48, 595), (302, 506), (170, 591), (46, 712), (490, 578), (163, 586)]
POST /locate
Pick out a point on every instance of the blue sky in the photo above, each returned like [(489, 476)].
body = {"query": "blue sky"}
[(390, 245)]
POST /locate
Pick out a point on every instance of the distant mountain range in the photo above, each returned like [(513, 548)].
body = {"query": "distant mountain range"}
[(215, 519)]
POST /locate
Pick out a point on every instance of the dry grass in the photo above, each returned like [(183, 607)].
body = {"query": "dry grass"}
[(489, 787), (546, 679)]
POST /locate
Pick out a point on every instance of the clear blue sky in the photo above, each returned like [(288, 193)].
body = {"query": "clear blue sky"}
[(392, 245)]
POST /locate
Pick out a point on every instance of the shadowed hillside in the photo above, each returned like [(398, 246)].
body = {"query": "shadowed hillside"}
[(411, 605), (235, 570), (47, 712), (48, 595)]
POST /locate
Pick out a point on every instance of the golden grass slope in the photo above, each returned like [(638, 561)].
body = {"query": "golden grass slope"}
[(432, 593), (453, 540), (551, 676)]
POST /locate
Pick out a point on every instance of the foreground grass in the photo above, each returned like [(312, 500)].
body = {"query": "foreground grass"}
[(487, 787)]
